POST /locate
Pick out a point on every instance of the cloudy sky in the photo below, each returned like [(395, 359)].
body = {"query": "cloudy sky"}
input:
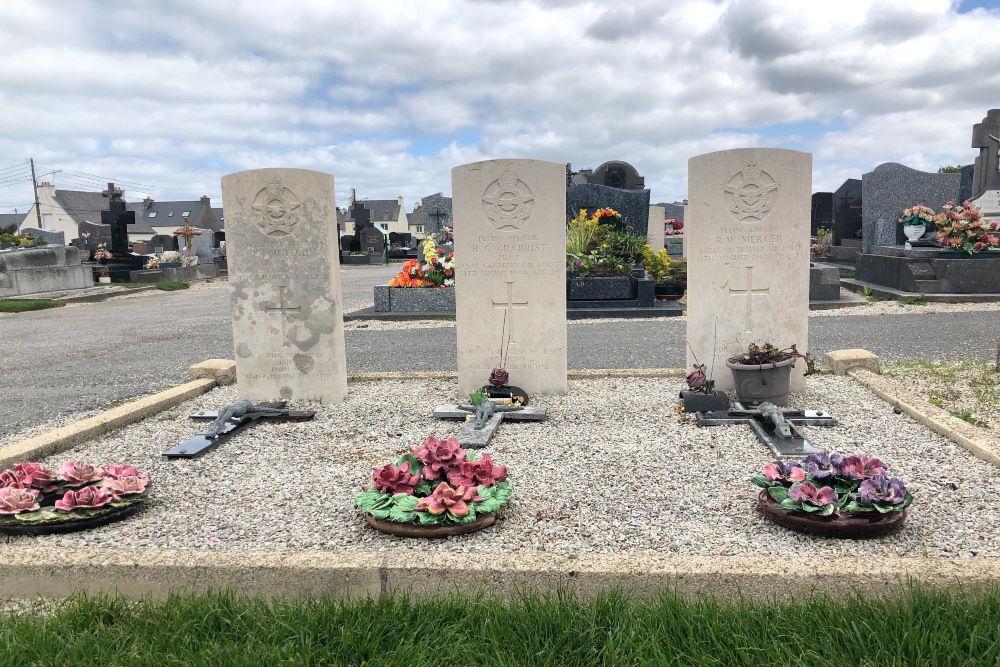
[(166, 96)]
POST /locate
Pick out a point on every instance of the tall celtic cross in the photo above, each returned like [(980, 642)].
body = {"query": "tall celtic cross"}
[(187, 231), (119, 219)]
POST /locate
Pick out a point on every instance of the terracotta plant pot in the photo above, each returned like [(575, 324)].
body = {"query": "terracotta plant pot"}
[(764, 382), (849, 525)]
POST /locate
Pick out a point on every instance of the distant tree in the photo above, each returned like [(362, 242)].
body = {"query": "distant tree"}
[(948, 169)]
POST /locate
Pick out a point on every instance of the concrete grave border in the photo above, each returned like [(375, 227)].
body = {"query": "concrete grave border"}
[(59, 572)]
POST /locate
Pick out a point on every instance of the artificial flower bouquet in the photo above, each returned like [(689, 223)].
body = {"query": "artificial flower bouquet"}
[(436, 483), (102, 253), (963, 227), (33, 494), (827, 484), (917, 215)]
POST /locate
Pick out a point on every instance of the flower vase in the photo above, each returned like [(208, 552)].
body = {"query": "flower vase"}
[(914, 232), (104, 279)]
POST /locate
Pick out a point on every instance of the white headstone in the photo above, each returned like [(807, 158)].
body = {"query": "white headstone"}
[(510, 256), (288, 321), (989, 203), (655, 231), (746, 236)]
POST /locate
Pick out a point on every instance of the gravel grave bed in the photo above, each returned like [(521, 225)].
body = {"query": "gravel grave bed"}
[(615, 469)]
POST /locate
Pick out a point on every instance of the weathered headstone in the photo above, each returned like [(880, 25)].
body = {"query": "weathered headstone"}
[(655, 231), (889, 189), (747, 238), (287, 310), (511, 287), (165, 241)]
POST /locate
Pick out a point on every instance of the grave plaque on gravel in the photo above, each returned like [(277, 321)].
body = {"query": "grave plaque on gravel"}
[(747, 237), (288, 326), (510, 291)]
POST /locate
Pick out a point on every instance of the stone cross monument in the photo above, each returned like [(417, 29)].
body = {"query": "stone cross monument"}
[(118, 218)]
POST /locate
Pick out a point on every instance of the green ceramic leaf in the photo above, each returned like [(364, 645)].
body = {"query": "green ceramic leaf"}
[(405, 502), (826, 510), (415, 465), (403, 516), (371, 499), (789, 504), (428, 519), (503, 490), (778, 493), (488, 505), (761, 480), (380, 514)]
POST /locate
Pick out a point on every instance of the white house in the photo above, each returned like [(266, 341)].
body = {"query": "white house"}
[(65, 210)]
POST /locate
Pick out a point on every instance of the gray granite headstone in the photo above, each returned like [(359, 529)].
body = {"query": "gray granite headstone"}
[(165, 241), (889, 189), (986, 137), (202, 246), (51, 238), (632, 204), (847, 211), (675, 211)]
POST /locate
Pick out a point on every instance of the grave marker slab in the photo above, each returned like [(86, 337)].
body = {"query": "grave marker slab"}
[(510, 250), (287, 310), (747, 244), (655, 231)]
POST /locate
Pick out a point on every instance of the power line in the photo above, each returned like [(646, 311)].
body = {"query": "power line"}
[(22, 167)]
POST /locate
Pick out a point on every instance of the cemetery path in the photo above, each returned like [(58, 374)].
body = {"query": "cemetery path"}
[(70, 360)]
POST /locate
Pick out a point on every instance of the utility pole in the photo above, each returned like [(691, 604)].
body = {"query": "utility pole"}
[(34, 185)]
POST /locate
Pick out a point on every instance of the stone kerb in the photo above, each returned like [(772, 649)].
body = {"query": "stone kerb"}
[(747, 244), (287, 309), (414, 300), (510, 291)]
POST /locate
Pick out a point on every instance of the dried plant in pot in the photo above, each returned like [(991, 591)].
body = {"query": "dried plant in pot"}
[(833, 495), (435, 490), (763, 373), (37, 501)]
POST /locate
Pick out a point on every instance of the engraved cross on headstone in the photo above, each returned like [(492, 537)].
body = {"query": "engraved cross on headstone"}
[(118, 218), (509, 306), (283, 310), (749, 292)]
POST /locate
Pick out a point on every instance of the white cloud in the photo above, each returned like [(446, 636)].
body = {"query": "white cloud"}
[(176, 93)]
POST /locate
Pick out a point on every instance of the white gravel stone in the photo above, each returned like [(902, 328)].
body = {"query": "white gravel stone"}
[(615, 469)]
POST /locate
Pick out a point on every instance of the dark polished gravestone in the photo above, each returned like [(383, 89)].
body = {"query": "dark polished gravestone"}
[(362, 220), (633, 205), (889, 189), (117, 218), (776, 428), (847, 207), (822, 212)]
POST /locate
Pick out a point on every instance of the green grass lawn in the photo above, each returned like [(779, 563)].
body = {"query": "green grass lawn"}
[(921, 628), (24, 305)]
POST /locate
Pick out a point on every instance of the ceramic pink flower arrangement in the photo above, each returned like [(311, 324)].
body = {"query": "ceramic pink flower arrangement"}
[(436, 483), (31, 494)]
